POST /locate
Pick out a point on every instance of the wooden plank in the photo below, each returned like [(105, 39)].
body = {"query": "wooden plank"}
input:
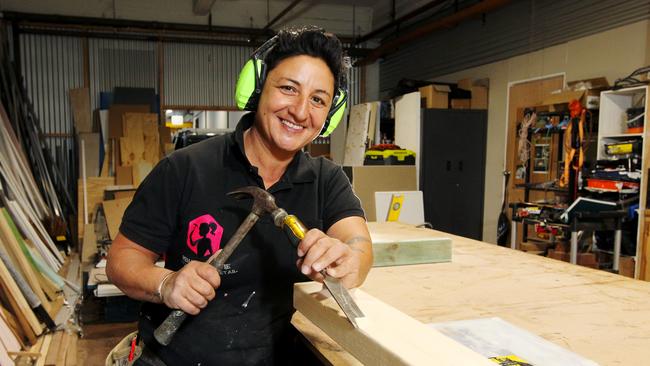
[(91, 152), (80, 103), (355, 143), (385, 335), (63, 349), (71, 353), (8, 338), (5, 359), (151, 139), (89, 244), (115, 114), (53, 349), (140, 171), (19, 260), (47, 341), (131, 151), (124, 194), (52, 291), (21, 309), (124, 175), (12, 323), (395, 243), (113, 211), (95, 188)]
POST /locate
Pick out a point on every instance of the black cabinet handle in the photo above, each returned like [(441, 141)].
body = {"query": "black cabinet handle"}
[(460, 165), (448, 165)]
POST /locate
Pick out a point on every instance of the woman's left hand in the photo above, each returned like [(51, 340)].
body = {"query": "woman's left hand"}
[(317, 252)]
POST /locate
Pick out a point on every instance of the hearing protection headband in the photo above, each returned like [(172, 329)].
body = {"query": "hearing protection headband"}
[(251, 81)]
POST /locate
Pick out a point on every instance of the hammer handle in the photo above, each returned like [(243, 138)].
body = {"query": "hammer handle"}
[(166, 330)]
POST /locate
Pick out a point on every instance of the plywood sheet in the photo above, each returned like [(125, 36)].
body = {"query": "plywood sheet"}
[(124, 175), (114, 210), (385, 335), (140, 141), (80, 103), (355, 142), (140, 171), (115, 113)]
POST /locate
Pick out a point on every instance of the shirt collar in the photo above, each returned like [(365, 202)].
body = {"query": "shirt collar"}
[(301, 169)]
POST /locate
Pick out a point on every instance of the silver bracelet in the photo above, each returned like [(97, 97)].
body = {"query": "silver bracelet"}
[(158, 293)]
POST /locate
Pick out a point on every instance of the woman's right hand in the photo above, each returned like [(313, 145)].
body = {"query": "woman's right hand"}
[(191, 287)]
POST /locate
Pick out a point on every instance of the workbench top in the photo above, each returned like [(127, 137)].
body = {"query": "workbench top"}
[(599, 315)]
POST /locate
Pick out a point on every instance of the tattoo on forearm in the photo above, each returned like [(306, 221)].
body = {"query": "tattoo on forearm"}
[(357, 239)]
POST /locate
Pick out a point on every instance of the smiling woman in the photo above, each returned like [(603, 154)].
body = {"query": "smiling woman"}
[(295, 88)]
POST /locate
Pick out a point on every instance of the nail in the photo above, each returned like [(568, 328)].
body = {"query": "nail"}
[(317, 267), (305, 270), (300, 253)]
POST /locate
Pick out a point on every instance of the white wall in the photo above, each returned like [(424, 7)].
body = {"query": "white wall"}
[(251, 13), (613, 54)]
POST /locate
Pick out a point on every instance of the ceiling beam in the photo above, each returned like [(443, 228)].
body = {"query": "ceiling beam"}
[(398, 21), (428, 28), (202, 7), (281, 14)]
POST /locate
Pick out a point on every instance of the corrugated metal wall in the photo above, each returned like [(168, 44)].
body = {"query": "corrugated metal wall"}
[(119, 62), (52, 65), (202, 75), (193, 75), (521, 27)]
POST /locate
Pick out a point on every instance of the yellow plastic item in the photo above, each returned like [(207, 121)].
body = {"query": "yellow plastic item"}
[(395, 207)]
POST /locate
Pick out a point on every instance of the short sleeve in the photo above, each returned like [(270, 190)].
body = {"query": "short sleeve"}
[(151, 218), (340, 200)]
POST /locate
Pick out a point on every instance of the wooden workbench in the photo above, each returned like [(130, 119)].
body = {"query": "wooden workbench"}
[(599, 315)]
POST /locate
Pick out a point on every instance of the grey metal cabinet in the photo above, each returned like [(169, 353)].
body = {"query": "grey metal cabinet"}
[(452, 169)]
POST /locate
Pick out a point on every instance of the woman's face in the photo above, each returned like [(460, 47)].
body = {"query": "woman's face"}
[(296, 98)]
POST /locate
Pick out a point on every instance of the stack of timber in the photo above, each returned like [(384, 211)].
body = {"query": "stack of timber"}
[(31, 290), (55, 206), (31, 218)]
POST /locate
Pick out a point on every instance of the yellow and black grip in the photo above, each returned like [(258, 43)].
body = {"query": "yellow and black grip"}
[(291, 225)]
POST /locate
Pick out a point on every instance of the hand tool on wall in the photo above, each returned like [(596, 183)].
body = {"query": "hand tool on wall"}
[(296, 231), (263, 202)]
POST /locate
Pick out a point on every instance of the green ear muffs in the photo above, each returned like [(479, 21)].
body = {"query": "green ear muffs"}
[(251, 81), (336, 112)]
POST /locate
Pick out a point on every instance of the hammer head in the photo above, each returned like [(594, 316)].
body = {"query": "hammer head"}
[(263, 201)]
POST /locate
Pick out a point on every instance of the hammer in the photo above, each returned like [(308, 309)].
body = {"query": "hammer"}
[(263, 202)]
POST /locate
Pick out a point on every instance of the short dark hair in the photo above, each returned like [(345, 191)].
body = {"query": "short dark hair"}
[(311, 41)]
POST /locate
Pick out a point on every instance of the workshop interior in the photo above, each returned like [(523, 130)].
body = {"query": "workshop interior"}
[(497, 148)]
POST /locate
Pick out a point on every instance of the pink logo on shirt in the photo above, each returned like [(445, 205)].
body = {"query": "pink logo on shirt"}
[(204, 235)]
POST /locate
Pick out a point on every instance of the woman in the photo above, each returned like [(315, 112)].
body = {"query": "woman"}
[(241, 315)]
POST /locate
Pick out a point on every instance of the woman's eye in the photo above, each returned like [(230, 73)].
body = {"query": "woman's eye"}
[(318, 100), (288, 88)]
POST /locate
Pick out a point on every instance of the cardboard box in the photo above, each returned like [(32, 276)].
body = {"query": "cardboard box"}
[(366, 180), (467, 84), (435, 96), (479, 97), (479, 89), (460, 103), (592, 88)]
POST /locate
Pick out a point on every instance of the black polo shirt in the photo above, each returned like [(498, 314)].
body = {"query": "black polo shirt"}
[(181, 209)]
